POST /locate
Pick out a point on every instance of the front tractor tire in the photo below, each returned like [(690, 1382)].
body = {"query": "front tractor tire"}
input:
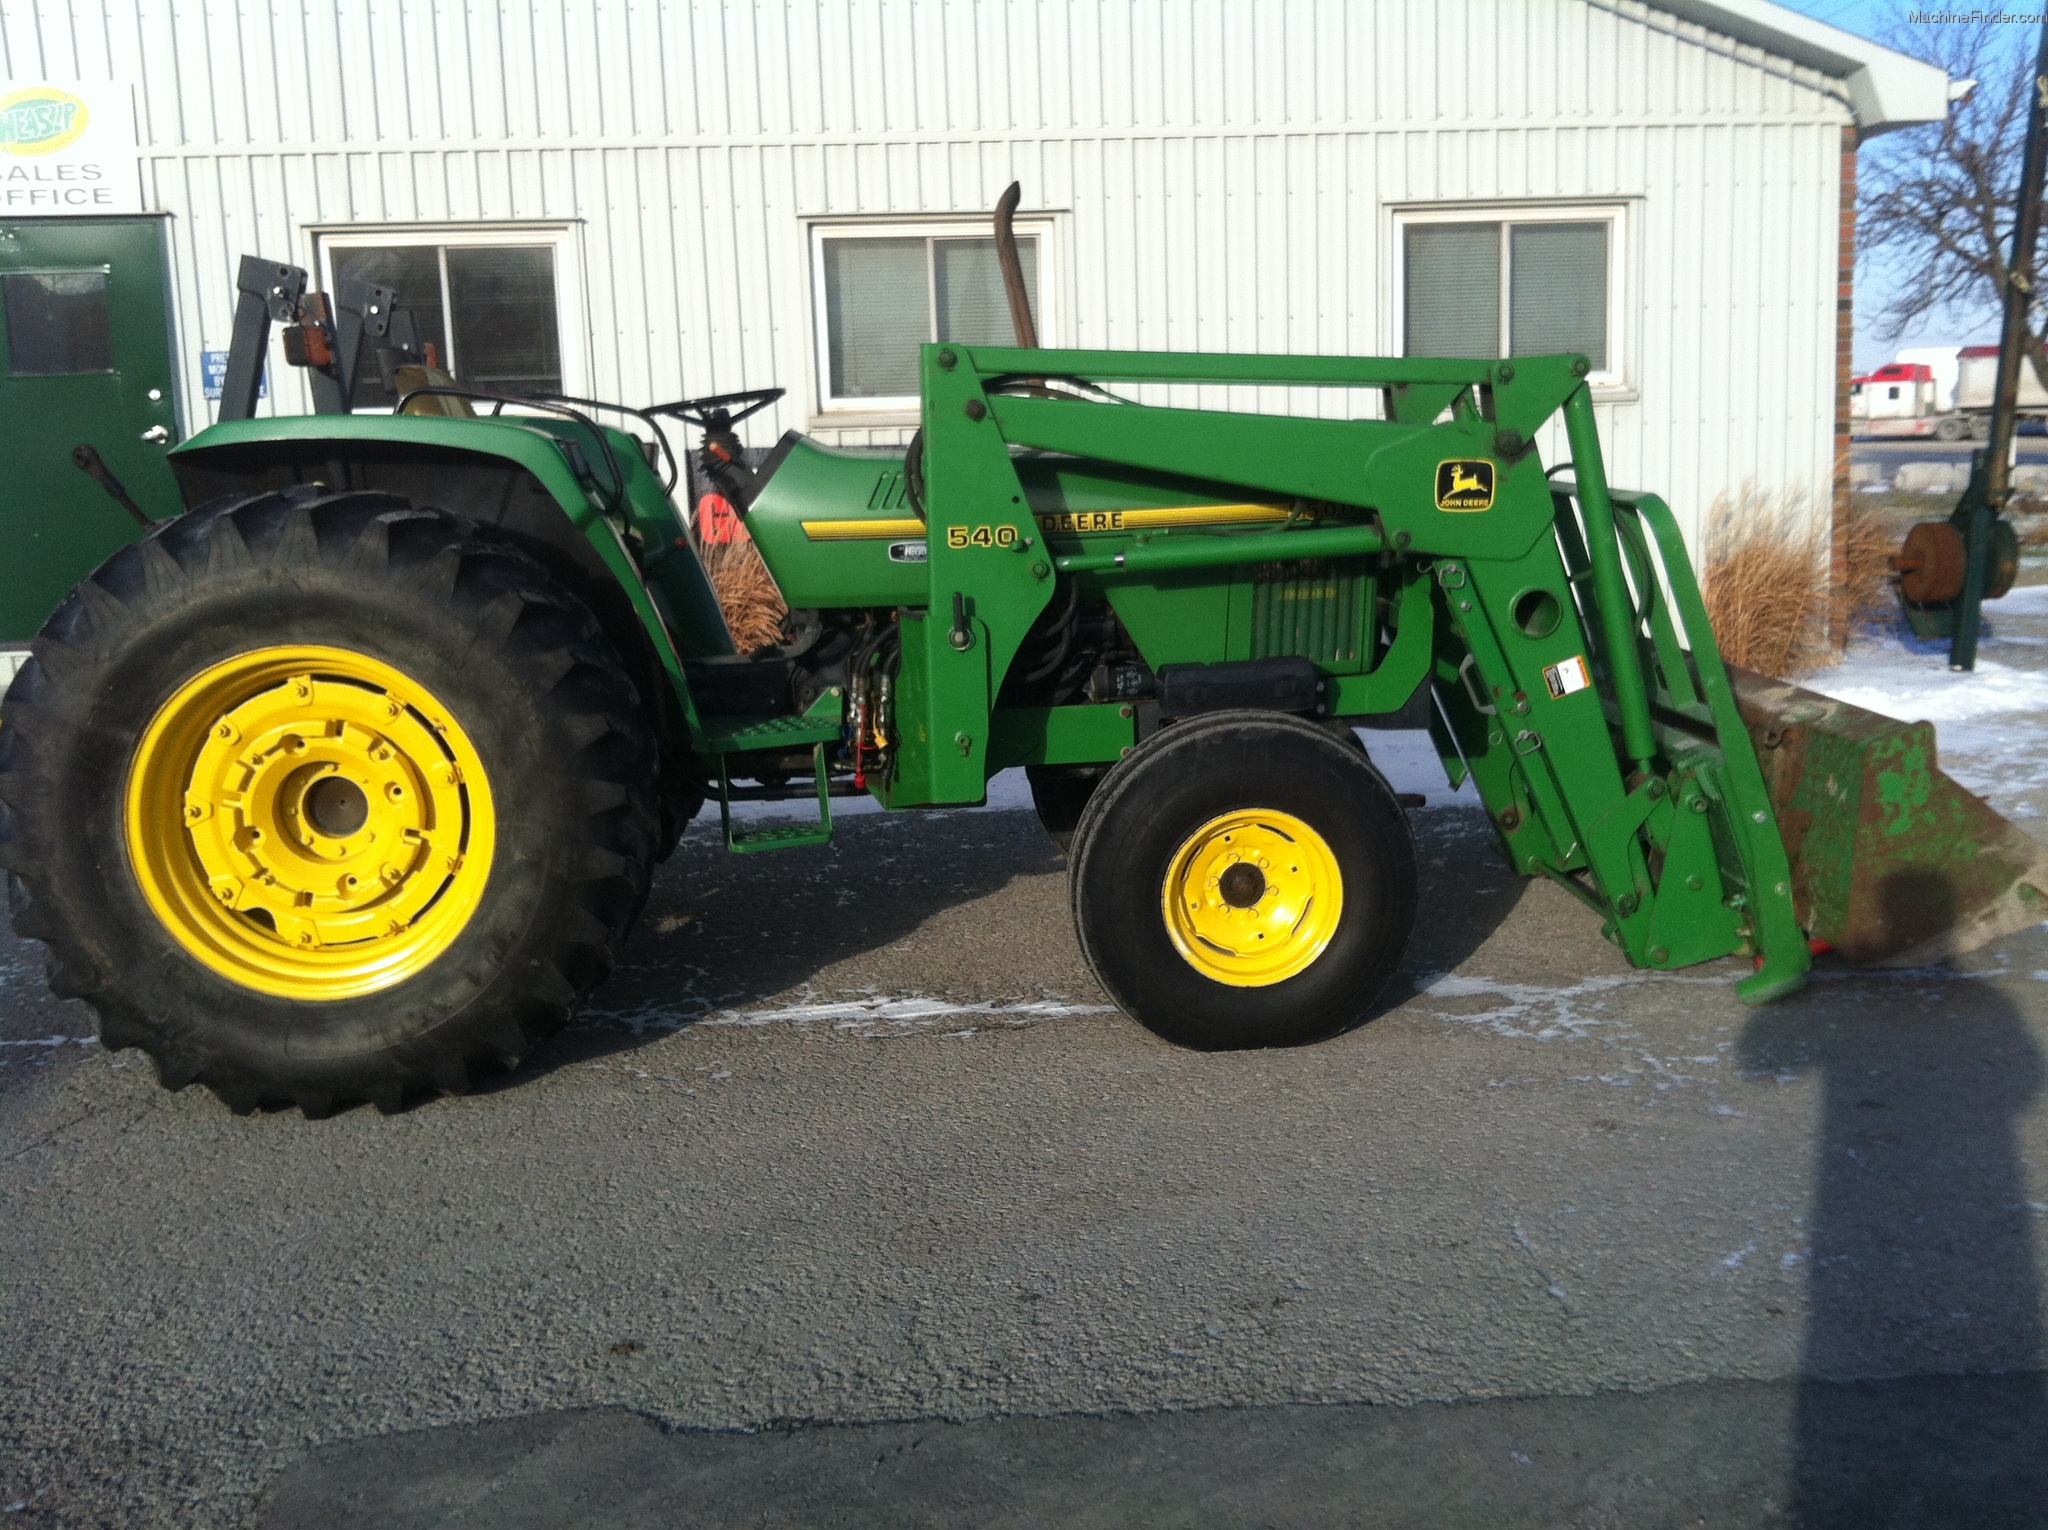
[(1244, 879), (321, 797)]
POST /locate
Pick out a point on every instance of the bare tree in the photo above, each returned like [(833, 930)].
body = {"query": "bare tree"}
[(1940, 199)]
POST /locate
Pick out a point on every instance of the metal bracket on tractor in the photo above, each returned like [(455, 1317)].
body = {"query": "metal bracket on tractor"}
[(325, 336)]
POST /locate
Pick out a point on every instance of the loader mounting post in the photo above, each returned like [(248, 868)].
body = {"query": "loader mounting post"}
[(1612, 590)]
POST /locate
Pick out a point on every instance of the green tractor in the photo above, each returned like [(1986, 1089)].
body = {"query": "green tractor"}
[(348, 782)]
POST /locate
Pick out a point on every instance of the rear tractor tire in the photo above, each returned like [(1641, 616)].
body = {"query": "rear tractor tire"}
[(319, 797), (1244, 879)]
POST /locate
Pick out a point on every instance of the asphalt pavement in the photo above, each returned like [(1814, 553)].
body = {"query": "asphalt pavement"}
[(1890, 450), (851, 1203)]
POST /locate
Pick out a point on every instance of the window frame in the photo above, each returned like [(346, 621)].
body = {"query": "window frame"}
[(105, 273), (573, 337), (1617, 378), (827, 409)]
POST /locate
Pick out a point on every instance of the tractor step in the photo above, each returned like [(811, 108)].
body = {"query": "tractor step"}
[(736, 735), (785, 836), (819, 726), (789, 836), (743, 734)]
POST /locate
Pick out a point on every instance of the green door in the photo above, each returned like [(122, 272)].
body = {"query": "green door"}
[(85, 359)]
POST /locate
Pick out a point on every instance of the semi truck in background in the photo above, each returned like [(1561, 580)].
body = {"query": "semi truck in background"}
[(1943, 392), (1901, 398), (1977, 385)]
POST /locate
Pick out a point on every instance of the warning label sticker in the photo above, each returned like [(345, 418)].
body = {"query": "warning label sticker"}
[(1567, 677)]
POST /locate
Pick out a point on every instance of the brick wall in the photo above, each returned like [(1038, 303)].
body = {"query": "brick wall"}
[(1845, 367)]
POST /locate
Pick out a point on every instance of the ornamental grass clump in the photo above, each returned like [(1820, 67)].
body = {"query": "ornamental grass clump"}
[(746, 591), (1870, 540), (1767, 582)]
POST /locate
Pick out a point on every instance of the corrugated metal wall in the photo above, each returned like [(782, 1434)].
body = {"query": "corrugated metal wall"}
[(1224, 170)]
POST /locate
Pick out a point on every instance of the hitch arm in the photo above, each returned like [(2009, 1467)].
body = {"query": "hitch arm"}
[(88, 462)]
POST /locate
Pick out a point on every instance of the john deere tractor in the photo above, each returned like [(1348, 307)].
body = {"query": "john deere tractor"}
[(348, 782)]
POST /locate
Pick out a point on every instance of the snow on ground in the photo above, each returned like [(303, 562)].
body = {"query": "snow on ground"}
[(1407, 758), (869, 1015), (1008, 792), (1991, 725)]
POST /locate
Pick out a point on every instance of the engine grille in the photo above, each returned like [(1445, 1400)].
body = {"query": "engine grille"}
[(1313, 609)]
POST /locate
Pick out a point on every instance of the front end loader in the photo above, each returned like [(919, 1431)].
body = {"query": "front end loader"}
[(348, 782)]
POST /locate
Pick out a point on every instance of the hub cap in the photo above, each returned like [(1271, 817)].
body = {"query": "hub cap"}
[(1252, 898), (309, 823)]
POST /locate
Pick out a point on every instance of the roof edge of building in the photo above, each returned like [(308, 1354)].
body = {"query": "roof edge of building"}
[(1886, 89)]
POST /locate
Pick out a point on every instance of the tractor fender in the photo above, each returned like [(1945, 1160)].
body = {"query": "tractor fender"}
[(532, 479)]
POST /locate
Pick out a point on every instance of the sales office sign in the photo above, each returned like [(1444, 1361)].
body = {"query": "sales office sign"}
[(67, 149)]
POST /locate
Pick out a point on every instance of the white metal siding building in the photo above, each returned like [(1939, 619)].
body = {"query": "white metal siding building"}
[(1241, 175)]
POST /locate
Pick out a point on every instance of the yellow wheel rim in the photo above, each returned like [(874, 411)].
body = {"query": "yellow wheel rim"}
[(1252, 898), (309, 823)]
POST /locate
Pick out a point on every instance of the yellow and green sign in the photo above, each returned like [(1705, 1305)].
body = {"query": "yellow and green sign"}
[(67, 149), (41, 120)]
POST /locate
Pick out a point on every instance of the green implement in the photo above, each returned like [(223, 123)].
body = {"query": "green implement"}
[(348, 782), (1895, 864)]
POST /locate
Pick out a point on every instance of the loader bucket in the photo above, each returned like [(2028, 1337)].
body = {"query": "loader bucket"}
[(1893, 864)]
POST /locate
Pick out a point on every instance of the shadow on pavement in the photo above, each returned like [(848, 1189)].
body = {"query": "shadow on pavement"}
[(1921, 1259), (723, 931), (1467, 889), (1710, 1454)]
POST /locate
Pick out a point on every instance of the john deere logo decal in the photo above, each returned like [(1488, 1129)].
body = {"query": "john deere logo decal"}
[(1464, 483), (40, 120)]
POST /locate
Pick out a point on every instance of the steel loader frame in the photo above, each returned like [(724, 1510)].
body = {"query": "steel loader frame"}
[(1557, 623)]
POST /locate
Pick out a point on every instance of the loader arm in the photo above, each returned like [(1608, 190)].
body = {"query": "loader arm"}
[(1559, 626)]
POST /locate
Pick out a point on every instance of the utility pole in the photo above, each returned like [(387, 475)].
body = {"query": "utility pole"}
[(1991, 479)]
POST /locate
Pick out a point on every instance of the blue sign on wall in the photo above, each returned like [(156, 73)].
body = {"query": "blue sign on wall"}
[(213, 370)]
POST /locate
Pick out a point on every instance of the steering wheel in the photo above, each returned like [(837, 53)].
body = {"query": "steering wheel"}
[(720, 409)]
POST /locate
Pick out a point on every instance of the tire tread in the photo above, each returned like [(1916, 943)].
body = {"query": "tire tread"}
[(1127, 948), (508, 601)]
